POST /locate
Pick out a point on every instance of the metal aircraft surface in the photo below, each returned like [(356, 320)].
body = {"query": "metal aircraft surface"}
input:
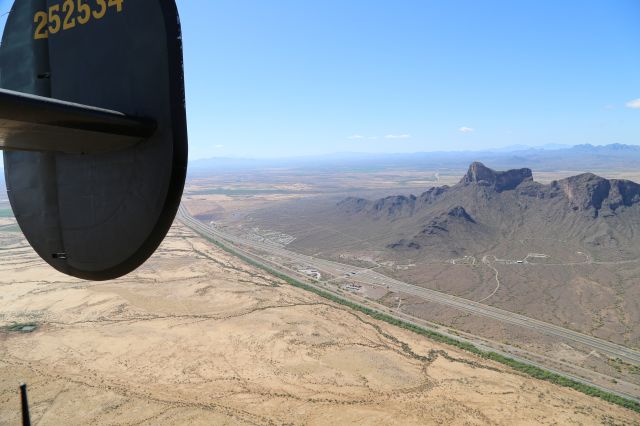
[(93, 125)]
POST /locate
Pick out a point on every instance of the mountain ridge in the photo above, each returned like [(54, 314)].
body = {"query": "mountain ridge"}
[(488, 205)]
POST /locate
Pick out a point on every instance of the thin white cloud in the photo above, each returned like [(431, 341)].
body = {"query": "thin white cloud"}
[(400, 136), (356, 137), (635, 104), (465, 129), (219, 146)]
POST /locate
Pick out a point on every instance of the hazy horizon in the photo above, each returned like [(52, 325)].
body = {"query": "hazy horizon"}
[(500, 149)]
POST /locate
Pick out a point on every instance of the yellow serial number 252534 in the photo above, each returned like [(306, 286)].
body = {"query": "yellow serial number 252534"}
[(72, 12)]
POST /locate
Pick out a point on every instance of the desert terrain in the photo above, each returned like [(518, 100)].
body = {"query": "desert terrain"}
[(543, 272), (197, 336)]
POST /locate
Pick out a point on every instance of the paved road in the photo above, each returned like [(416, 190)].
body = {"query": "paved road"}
[(371, 277)]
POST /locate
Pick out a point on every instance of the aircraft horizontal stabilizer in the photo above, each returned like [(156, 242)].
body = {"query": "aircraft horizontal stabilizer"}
[(36, 123)]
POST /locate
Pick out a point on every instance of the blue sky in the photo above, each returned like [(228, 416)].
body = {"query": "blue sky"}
[(271, 78), (293, 77)]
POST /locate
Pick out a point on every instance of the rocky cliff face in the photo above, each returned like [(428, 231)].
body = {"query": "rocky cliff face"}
[(623, 193), (460, 213), (502, 181), (588, 192)]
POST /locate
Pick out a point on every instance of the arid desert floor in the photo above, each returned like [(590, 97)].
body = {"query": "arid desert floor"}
[(196, 336)]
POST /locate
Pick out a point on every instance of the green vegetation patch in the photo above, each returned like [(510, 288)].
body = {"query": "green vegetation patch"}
[(620, 366), (26, 327), (241, 191), (539, 373), (522, 367)]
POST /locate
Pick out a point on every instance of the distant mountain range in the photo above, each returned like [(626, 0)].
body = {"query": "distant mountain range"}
[(520, 147), (547, 158)]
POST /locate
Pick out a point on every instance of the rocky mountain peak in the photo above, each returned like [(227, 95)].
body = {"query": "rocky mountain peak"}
[(461, 213), (588, 191), (502, 181)]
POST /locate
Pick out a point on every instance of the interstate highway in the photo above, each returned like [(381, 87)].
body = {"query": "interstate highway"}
[(370, 277)]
